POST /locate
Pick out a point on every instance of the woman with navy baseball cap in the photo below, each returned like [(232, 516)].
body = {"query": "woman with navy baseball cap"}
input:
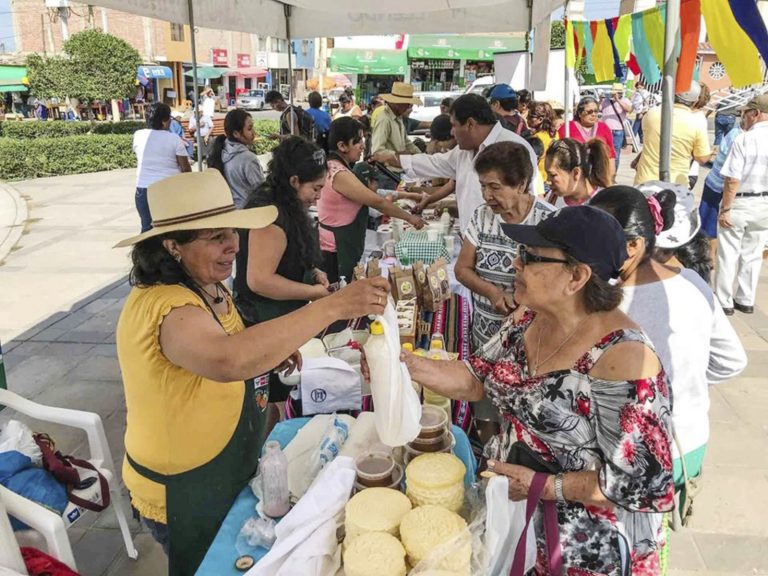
[(584, 398)]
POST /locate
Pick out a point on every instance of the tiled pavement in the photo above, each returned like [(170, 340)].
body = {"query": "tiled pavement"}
[(66, 357)]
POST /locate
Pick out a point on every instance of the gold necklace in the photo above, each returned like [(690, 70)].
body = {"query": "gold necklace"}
[(535, 369)]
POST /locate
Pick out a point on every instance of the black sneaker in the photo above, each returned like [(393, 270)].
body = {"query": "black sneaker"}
[(744, 309), (728, 311)]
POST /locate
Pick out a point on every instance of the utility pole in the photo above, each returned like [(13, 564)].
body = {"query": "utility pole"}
[(42, 34), (104, 21), (91, 20), (64, 18)]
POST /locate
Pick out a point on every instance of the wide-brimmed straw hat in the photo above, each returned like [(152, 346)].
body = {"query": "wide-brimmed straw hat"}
[(197, 201), (402, 93)]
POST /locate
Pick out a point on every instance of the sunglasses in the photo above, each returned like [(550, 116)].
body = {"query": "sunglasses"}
[(590, 112), (528, 258)]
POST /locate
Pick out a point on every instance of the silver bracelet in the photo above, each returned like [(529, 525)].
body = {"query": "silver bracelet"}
[(559, 496)]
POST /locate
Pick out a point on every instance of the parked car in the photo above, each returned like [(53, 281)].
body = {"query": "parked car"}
[(251, 100), (431, 105), (481, 84)]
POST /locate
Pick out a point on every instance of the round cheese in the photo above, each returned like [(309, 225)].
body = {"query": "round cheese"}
[(375, 554), (375, 510), (451, 497), (436, 470), (426, 528)]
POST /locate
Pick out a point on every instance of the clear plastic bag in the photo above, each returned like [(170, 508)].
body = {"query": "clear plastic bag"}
[(17, 436), (449, 557), (256, 532)]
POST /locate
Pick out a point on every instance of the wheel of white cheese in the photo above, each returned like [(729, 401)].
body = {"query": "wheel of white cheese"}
[(375, 510), (426, 528), (374, 554), (436, 479)]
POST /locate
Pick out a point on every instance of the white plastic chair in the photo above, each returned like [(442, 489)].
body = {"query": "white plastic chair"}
[(10, 555), (52, 526)]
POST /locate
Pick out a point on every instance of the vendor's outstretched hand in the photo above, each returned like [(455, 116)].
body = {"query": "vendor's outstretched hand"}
[(291, 364), (383, 156), (361, 298), (519, 478), (417, 222)]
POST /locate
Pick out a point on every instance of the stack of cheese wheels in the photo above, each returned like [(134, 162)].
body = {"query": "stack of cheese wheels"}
[(375, 510), (375, 554), (426, 528), (436, 479)]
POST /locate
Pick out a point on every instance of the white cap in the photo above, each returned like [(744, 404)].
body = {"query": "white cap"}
[(691, 95), (687, 221)]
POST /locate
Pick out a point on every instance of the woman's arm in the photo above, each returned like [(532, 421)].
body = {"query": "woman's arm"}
[(452, 379), (266, 247), (349, 186), (443, 192), (465, 273), (183, 162), (192, 339)]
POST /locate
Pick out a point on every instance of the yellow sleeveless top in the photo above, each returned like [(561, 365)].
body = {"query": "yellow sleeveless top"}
[(176, 420)]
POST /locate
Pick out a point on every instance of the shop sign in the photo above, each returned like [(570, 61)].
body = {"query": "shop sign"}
[(219, 57), (262, 60), (243, 60)]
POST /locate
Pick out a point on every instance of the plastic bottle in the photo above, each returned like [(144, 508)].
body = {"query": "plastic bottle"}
[(416, 386), (445, 221), (342, 282), (273, 469), (437, 352)]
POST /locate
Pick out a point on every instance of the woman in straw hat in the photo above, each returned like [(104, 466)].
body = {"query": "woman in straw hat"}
[(195, 420)]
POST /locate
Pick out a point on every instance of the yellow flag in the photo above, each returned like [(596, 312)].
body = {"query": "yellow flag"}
[(732, 45), (602, 54), (621, 36), (570, 49)]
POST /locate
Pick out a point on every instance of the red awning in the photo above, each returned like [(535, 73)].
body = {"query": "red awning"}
[(252, 71)]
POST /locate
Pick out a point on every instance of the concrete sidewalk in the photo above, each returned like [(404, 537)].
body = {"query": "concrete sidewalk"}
[(61, 291)]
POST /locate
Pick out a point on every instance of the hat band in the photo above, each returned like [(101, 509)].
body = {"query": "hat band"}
[(396, 95), (193, 216)]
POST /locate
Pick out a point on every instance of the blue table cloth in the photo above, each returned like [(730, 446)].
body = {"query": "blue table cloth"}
[(221, 556)]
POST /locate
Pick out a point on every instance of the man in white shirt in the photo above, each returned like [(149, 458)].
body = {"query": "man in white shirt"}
[(743, 221), (474, 127)]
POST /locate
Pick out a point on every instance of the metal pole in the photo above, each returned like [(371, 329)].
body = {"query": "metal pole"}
[(287, 12), (196, 101), (567, 96), (668, 86)]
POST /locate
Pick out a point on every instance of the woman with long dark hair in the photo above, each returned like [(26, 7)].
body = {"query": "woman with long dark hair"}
[(232, 156), (695, 342), (344, 202), (278, 267), (576, 171)]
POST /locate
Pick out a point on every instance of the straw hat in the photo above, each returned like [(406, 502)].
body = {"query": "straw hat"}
[(196, 201), (617, 87), (402, 93)]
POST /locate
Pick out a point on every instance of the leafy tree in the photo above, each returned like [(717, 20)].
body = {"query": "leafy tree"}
[(557, 35), (96, 66)]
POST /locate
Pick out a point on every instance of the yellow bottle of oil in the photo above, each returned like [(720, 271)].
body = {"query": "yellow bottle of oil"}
[(437, 352)]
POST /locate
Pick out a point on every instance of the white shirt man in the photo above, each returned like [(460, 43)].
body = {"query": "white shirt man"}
[(743, 221)]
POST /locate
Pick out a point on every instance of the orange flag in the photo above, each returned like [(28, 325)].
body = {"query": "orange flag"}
[(690, 25)]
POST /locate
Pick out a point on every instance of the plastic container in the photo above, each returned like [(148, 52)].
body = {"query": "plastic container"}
[(374, 469), (273, 469), (409, 452), (431, 444), (434, 422)]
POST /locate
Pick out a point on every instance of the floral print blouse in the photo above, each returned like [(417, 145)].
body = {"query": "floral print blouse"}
[(574, 421)]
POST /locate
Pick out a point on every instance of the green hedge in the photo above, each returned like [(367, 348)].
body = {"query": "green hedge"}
[(60, 129), (35, 158)]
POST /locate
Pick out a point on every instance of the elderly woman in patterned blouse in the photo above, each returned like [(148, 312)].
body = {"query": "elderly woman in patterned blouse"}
[(583, 397)]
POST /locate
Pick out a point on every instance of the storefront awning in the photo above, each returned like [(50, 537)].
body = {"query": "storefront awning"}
[(13, 79), (351, 61), (208, 72), (458, 47), (252, 71), (153, 72)]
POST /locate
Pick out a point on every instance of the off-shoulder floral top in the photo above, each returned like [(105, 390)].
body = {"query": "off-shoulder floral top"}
[(577, 422)]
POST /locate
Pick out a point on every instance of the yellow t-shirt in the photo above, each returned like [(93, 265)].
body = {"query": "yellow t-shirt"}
[(176, 420), (546, 139), (689, 139)]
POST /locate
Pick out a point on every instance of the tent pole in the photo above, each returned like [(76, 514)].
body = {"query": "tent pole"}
[(196, 101), (287, 11), (567, 96), (668, 86)]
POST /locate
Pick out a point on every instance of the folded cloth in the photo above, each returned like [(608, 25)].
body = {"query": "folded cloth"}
[(329, 385), (306, 536), (415, 245)]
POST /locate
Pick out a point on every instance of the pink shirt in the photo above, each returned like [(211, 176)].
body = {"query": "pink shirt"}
[(333, 209), (599, 131)]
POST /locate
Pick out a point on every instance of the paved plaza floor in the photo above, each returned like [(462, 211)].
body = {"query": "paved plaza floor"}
[(61, 290)]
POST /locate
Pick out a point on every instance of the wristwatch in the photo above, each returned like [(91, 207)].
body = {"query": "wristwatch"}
[(559, 496)]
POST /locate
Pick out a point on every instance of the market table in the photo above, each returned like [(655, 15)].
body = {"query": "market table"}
[(221, 556)]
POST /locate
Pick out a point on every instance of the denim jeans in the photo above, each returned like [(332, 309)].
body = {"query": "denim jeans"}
[(618, 144), (637, 128), (142, 207), (723, 124)]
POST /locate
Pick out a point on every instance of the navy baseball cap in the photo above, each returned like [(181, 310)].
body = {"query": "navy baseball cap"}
[(502, 92), (590, 235)]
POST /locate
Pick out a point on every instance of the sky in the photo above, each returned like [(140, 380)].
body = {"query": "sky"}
[(6, 26), (595, 9)]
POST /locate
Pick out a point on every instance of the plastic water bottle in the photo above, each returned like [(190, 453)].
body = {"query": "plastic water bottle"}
[(437, 352), (445, 222), (274, 481)]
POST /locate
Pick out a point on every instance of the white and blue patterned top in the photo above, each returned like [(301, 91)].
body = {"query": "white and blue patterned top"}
[(715, 180), (495, 252)]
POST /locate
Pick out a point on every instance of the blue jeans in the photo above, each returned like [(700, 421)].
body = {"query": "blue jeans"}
[(723, 124), (142, 207), (618, 144), (637, 128)]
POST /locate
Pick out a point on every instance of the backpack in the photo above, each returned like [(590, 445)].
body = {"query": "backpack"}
[(306, 123)]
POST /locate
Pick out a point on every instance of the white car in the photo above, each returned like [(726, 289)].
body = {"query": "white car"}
[(431, 105), (251, 100), (481, 84)]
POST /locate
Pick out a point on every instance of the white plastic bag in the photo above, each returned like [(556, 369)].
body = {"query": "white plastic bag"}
[(17, 436), (397, 410), (504, 525)]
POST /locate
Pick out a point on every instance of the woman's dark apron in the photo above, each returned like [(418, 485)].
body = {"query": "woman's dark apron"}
[(197, 501), (350, 244)]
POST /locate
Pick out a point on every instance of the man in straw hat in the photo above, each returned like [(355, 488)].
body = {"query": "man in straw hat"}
[(196, 415), (615, 107), (389, 130)]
